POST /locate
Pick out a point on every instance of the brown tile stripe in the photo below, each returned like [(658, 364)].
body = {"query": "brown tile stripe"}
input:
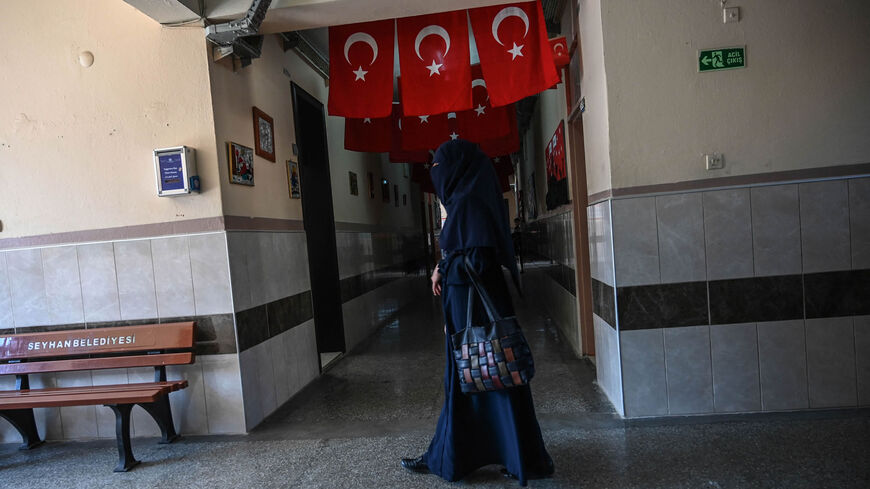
[(735, 181), (189, 226)]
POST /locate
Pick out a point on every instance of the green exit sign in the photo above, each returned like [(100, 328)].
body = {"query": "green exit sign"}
[(721, 59)]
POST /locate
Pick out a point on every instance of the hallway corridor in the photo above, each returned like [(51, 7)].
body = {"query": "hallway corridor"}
[(350, 427)]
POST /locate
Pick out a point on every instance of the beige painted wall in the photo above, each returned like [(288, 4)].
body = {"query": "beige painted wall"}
[(593, 86), (802, 101), (76, 143), (266, 84)]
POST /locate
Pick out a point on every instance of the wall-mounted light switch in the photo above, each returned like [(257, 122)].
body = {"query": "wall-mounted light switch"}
[(715, 161), (730, 15)]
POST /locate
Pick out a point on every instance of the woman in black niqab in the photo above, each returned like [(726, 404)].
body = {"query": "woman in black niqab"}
[(497, 427)]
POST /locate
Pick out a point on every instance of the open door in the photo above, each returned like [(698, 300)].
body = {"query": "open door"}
[(319, 220)]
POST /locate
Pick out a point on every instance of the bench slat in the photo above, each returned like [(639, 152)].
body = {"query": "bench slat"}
[(172, 385), (85, 399), (184, 358)]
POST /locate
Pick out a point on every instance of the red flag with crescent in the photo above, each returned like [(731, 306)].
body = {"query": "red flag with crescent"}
[(424, 131), (361, 69), (515, 54), (507, 144), (483, 122), (370, 134), (436, 63), (559, 45), (397, 154)]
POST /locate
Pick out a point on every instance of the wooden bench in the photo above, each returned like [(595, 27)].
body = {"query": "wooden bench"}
[(153, 345)]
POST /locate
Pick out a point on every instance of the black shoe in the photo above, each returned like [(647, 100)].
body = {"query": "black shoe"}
[(417, 465)]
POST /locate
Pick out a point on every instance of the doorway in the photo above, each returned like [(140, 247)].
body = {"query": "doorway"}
[(319, 222)]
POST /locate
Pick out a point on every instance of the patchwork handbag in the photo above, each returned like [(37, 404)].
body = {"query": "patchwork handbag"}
[(492, 356)]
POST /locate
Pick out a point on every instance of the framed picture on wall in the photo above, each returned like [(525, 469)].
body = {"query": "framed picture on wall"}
[(371, 185), (264, 135), (241, 162), (354, 187), (293, 183), (396, 194)]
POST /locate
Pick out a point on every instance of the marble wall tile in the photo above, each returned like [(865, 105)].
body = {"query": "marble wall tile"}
[(63, 287), (6, 321), (105, 416), (8, 434), (237, 248), (635, 242), (143, 425), (172, 277), (253, 406), (643, 373), (290, 339), (746, 300), (600, 242), (266, 378), (831, 362), (136, 292), (292, 256), (859, 221), (48, 420), (27, 284), (689, 373), (280, 367), (832, 294), (776, 230), (728, 233), (99, 282), (604, 302), (662, 306), (824, 208), (862, 358), (77, 421), (681, 238), (736, 386), (211, 274), (188, 406), (607, 365), (223, 393), (783, 365)]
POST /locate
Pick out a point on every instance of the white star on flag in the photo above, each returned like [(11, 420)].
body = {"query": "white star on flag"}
[(367, 120), (480, 110), (516, 51), (360, 74), (453, 135), (434, 68), (423, 118)]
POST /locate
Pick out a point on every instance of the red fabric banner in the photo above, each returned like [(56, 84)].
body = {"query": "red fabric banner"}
[(504, 145), (371, 135), (559, 45), (435, 62), (515, 54), (420, 175), (397, 154), (361, 69), (424, 131), (483, 122)]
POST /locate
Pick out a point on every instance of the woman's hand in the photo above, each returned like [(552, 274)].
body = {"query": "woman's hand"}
[(436, 281)]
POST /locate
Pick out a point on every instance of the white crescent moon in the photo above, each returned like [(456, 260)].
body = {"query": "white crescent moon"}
[(559, 44), (429, 30), (361, 37), (504, 14), (478, 83)]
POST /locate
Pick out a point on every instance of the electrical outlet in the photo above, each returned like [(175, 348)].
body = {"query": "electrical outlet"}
[(715, 161), (730, 15)]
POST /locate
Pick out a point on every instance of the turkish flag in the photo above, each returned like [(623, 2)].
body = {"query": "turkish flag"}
[(361, 69), (559, 45), (371, 135), (424, 131), (504, 168), (435, 62), (507, 144), (515, 54), (397, 154), (420, 175), (484, 121)]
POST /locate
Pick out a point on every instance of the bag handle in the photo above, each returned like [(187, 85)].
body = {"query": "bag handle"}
[(491, 311)]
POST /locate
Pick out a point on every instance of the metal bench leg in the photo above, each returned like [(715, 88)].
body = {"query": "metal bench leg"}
[(162, 414), (23, 421), (122, 436)]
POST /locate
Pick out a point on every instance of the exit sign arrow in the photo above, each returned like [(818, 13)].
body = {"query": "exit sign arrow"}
[(721, 59)]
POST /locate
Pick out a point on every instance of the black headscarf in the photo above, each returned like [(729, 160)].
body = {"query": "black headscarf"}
[(466, 182)]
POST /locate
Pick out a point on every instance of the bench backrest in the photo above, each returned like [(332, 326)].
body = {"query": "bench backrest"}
[(151, 345)]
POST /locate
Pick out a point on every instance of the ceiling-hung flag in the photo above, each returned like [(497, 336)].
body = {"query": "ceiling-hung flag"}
[(483, 121), (420, 176), (504, 168), (435, 63), (370, 134), (397, 154), (506, 144), (559, 45), (424, 131), (515, 54), (361, 69)]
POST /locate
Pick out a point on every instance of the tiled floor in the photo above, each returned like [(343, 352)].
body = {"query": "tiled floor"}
[(379, 403)]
